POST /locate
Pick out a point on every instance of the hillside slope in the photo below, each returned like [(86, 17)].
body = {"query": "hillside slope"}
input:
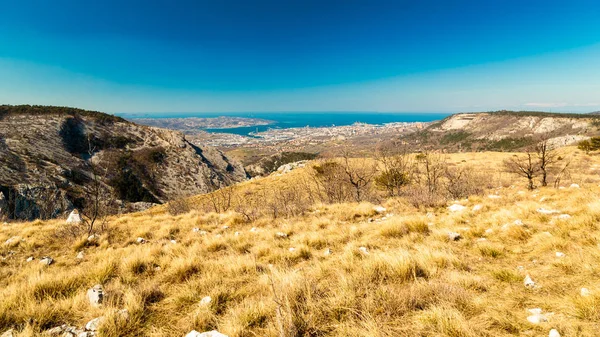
[(45, 158), (506, 130), (346, 269)]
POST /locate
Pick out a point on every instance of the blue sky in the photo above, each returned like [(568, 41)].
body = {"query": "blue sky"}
[(216, 56)]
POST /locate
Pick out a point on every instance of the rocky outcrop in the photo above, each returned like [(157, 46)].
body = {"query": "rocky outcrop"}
[(49, 158)]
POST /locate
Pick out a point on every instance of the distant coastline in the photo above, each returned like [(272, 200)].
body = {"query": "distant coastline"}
[(293, 119)]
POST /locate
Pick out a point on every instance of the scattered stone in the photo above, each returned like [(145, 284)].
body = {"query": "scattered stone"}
[(542, 199), (213, 333), (8, 333), (140, 240), (494, 196), (585, 292), (237, 233), (574, 186), (370, 220), (174, 242), (281, 235), (364, 250), (13, 241), (554, 333), (74, 218), (327, 252), (537, 317), (46, 260), (547, 211), (379, 209), (96, 295), (564, 216), (481, 239), (518, 222), (453, 236), (29, 259), (489, 231), (80, 255), (528, 282), (253, 229), (196, 230), (292, 249), (225, 227), (456, 208), (202, 232), (205, 301), (560, 254), (64, 331), (92, 238), (477, 207), (430, 215), (94, 324)]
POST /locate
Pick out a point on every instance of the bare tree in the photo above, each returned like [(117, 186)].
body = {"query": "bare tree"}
[(525, 166), (547, 157), (359, 174)]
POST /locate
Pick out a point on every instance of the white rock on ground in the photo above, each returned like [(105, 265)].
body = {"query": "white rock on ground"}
[(94, 324), (379, 209), (547, 211), (253, 229), (96, 295), (477, 207), (80, 255), (453, 236), (140, 240), (494, 196), (74, 218), (47, 260), (528, 282), (554, 333), (92, 238), (327, 252), (292, 249), (364, 250), (281, 235), (205, 301), (12, 241), (213, 333), (195, 230), (585, 292), (564, 216), (31, 258), (8, 333), (537, 316), (560, 254), (518, 222), (574, 186), (456, 208)]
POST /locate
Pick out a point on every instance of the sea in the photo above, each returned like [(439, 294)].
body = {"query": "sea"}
[(284, 120)]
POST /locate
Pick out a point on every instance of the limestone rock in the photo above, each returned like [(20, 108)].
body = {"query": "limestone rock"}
[(547, 211), (205, 301), (96, 295), (7, 333), (13, 241), (281, 235), (379, 209), (364, 250), (537, 316), (554, 333), (74, 218), (80, 256), (47, 260), (94, 324), (528, 282), (477, 207), (585, 292), (453, 236), (140, 240), (29, 259), (574, 186), (456, 208), (327, 252), (560, 254)]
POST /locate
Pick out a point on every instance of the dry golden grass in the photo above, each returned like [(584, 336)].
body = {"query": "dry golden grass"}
[(412, 282)]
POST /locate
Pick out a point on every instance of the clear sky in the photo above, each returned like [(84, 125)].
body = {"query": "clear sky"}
[(310, 55)]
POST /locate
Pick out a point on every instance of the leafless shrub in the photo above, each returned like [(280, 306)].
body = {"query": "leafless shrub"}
[(462, 182), (525, 166), (179, 206)]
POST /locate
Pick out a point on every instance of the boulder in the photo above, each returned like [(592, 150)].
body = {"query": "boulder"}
[(13, 241), (10, 332), (456, 208), (453, 236), (94, 324), (554, 333), (96, 295), (528, 282), (74, 218), (47, 260), (379, 209)]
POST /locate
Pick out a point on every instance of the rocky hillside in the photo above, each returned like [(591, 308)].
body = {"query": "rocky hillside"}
[(48, 157), (506, 130)]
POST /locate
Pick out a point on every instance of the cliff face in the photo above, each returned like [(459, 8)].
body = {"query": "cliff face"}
[(506, 130), (48, 158)]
